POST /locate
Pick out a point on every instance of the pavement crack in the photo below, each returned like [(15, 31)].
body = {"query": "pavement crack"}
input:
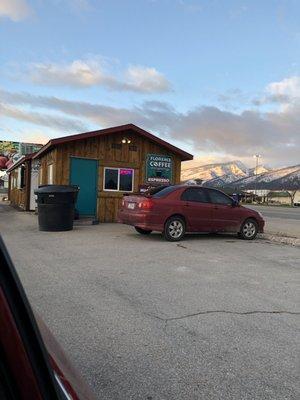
[(209, 312)]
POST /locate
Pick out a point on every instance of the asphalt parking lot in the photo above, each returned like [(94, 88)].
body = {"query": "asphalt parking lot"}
[(283, 221), (211, 317)]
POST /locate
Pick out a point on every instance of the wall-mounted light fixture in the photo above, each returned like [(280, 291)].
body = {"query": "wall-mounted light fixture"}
[(126, 141)]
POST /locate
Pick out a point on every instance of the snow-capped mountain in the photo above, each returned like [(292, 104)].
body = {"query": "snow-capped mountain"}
[(236, 175), (259, 170), (277, 179), (227, 172)]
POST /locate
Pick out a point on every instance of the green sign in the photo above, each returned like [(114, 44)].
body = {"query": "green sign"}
[(159, 169)]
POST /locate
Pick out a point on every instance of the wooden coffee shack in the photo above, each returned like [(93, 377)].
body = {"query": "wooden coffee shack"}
[(108, 163)]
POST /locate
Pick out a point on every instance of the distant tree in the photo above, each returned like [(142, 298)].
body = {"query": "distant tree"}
[(292, 194), (7, 147)]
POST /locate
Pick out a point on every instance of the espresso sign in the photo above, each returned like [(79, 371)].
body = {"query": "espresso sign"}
[(159, 169)]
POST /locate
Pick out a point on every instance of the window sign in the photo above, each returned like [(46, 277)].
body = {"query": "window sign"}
[(126, 180), (159, 169)]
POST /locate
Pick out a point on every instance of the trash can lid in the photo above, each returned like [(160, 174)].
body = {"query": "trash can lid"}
[(56, 189)]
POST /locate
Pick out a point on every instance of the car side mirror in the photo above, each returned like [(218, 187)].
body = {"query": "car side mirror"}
[(235, 203)]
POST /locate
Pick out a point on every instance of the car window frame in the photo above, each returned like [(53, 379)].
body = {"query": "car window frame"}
[(222, 193), (195, 201)]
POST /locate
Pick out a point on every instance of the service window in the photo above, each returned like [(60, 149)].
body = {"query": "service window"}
[(198, 195), (119, 179), (220, 198), (50, 174)]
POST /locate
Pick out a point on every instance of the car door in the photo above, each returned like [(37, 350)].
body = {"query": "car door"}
[(225, 215), (197, 209)]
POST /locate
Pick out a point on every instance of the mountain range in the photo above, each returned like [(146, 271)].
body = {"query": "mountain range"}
[(235, 174)]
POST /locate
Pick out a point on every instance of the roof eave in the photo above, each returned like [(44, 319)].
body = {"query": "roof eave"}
[(184, 156)]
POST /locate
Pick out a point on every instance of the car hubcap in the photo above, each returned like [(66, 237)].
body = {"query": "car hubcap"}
[(249, 229), (175, 229)]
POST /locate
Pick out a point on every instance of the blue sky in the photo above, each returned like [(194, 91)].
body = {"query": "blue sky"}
[(218, 78)]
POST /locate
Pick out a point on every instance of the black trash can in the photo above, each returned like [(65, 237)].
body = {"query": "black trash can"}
[(56, 204)]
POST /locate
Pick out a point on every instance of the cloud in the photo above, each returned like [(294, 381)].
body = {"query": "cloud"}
[(55, 122), (16, 10), (209, 130), (78, 74), (285, 92), (147, 80), (88, 73), (289, 87), (35, 137)]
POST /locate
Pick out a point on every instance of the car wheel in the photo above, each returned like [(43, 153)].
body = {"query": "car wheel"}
[(174, 229), (249, 230), (142, 231)]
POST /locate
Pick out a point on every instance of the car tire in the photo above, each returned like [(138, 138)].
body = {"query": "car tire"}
[(174, 229), (249, 230), (142, 231)]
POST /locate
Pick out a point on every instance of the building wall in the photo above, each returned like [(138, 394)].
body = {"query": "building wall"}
[(34, 177), (280, 200), (100, 148), (297, 197), (19, 197), (285, 199)]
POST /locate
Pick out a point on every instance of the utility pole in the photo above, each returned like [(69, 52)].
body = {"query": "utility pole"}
[(257, 157)]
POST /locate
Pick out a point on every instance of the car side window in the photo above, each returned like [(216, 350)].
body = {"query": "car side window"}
[(195, 194), (219, 198)]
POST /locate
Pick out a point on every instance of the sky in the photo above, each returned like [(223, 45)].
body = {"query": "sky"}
[(220, 79)]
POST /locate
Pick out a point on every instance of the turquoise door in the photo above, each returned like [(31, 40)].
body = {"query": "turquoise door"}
[(84, 173)]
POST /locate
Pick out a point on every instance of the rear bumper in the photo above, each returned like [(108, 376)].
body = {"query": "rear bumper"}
[(141, 220)]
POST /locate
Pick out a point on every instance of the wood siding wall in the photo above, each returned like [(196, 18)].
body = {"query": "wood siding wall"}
[(100, 148), (20, 197)]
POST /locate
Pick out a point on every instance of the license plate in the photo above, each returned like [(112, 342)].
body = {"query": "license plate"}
[(131, 206)]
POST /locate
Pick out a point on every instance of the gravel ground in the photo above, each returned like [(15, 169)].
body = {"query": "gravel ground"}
[(141, 318)]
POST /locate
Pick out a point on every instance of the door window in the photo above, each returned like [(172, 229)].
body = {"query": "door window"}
[(219, 198), (195, 194)]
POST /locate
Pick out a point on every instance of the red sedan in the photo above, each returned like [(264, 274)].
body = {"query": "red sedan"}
[(175, 210)]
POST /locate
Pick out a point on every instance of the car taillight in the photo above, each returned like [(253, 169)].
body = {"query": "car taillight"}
[(146, 204)]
